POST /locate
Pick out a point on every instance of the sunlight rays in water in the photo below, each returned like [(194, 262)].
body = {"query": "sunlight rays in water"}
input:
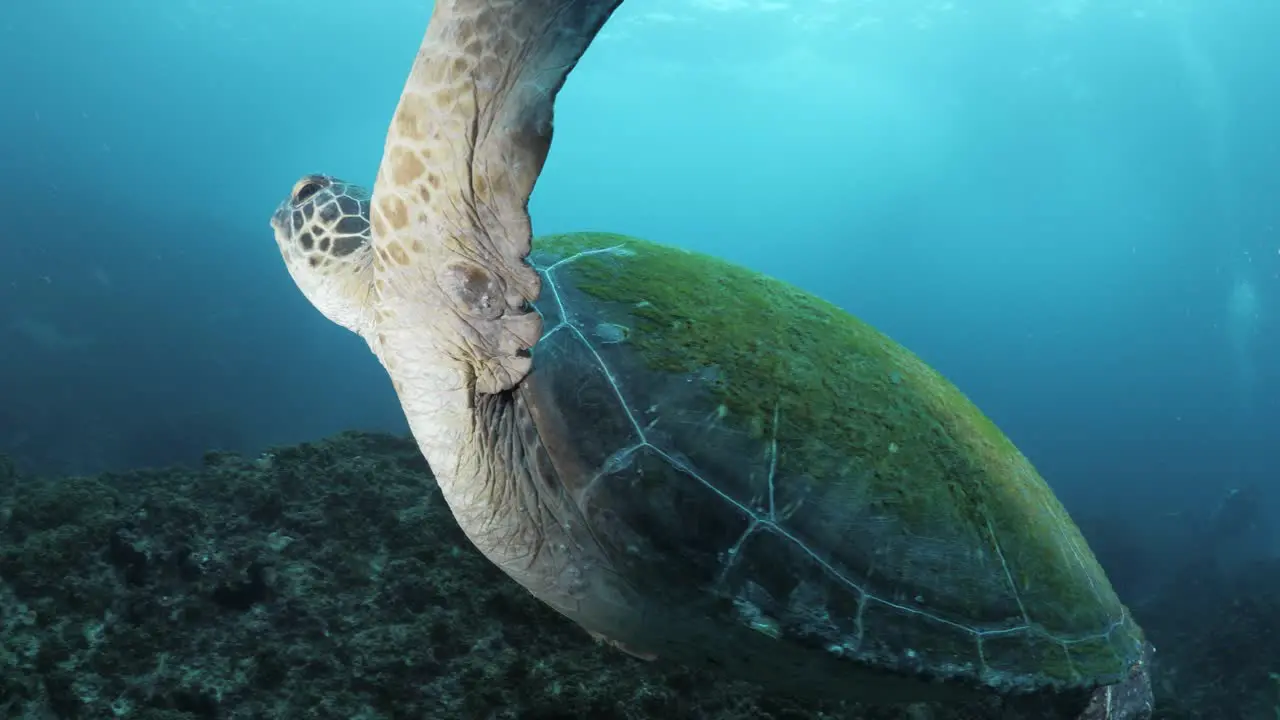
[(1214, 102), (1243, 316)]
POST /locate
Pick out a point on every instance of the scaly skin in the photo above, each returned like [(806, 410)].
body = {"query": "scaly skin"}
[(451, 227), (451, 316), (323, 233)]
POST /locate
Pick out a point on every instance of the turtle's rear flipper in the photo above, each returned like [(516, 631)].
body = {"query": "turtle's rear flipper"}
[(1127, 700)]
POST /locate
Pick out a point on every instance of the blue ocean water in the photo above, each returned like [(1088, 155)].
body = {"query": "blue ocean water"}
[(1067, 207)]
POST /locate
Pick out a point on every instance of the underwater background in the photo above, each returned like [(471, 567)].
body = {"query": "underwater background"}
[(1067, 207)]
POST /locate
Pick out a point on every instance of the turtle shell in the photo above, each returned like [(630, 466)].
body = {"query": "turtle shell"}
[(756, 456)]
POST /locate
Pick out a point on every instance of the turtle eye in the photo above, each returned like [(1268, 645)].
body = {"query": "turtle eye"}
[(305, 191)]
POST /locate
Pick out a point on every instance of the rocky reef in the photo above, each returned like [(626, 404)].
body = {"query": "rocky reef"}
[(329, 580)]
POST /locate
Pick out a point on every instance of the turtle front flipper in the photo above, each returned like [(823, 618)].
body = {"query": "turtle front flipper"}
[(322, 230), (469, 137)]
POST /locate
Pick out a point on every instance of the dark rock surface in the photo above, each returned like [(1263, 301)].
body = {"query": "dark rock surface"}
[(326, 580)]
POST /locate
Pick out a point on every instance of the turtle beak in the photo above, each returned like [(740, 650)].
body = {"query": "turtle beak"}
[(280, 218), (281, 227)]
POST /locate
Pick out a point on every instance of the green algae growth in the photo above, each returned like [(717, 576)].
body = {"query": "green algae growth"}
[(848, 397)]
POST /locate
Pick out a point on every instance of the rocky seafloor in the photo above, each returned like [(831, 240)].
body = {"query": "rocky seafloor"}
[(329, 580)]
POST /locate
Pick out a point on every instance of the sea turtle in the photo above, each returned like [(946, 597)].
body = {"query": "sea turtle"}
[(687, 458)]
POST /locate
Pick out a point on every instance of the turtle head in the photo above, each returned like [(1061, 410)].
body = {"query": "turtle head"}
[(322, 229)]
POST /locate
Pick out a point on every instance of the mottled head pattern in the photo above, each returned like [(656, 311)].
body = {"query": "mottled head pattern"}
[(322, 229), (322, 221)]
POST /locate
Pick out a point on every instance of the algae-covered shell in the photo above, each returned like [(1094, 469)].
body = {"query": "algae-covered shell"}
[(787, 486)]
